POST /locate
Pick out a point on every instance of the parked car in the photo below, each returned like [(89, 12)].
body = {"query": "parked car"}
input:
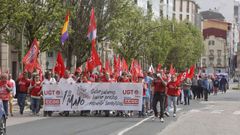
[(2, 119)]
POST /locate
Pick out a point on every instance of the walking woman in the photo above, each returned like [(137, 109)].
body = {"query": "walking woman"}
[(35, 90)]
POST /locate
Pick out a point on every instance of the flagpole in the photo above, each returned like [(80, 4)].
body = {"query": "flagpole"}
[(22, 44)]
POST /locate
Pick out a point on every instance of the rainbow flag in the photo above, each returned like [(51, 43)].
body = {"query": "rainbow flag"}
[(64, 33)]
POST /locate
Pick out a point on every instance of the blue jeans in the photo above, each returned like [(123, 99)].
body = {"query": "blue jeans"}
[(21, 101), (35, 104), (5, 106), (172, 99)]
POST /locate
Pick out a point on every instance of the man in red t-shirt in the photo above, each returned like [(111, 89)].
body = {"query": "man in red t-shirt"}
[(173, 91), (5, 89), (23, 84), (159, 95)]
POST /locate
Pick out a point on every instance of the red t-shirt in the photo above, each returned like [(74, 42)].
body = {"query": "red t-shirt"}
[(4, 94), (172, 89), (35, 91), (124, 80), (158, 85), (23, 85)]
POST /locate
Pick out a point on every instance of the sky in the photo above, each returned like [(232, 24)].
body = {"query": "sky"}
[(226, 7)]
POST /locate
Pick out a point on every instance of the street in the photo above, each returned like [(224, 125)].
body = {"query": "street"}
[(218, 116)]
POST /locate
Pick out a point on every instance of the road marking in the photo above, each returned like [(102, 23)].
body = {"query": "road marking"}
[(137, 124), (178, 109), (194, 111), (217, 111), (236, 112)]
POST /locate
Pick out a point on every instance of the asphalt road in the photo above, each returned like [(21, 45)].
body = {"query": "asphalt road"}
[(218, 116)]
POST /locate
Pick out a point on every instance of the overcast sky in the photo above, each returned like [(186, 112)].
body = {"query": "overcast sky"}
[(226, 7)]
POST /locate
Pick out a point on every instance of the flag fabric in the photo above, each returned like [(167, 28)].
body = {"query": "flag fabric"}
[(124, 65), (94, 60), (92, 29), (159, 67), (151, 69), (179, 79), (116, 66), (191, 72), (30, 59), (78, 69), (59, 67), (135, 71), (172, 70), (107, 67), (64, 33)]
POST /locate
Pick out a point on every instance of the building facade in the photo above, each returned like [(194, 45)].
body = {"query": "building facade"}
[(216, 49)]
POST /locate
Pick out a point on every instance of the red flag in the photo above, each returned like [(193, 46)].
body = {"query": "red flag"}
[(107, 67), (92, 28), (59, 67), (94, 60), (159, 67), (135, 71), (191, 72), (179, 77), (30, 59), (39, 70), (116, 66), (172, 70), (124, 65), (79, 69)]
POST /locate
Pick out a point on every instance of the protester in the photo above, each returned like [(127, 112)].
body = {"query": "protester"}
[(173, 91), (148, 80), (48, 79), (66, 79), (216, 85), (23, 84), (5, 91), (223, 84), (35, 90), (186, 90), (144, 99), (194, 87), (159, 85), (206, 87), (12, 94), (199, 88)]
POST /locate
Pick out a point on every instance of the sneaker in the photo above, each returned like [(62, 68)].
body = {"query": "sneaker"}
[(154, 118), (162, 120), (174, 115), (167, 114)]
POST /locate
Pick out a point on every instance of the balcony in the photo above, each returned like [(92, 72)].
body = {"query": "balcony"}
[(211, 56)]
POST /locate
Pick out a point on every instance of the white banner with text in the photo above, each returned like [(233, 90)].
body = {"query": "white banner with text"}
[(92, 96)]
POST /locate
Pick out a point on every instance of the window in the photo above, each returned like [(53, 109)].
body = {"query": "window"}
[(174, 5), (188, 17), (211, 42), (181, 5), (219, 52), (50, 54), (211, 52), (174, 16), (188, 7), (161, 1), (180, 17), (161, 13), (219, 62)]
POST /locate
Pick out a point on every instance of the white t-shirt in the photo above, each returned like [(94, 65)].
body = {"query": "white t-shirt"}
[(51, 81), (14, 87), (68, 80)]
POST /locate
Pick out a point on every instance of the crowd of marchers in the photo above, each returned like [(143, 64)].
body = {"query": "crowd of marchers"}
[(168, 89)]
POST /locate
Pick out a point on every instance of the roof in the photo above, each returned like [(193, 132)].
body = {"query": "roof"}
[(212, 15)]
